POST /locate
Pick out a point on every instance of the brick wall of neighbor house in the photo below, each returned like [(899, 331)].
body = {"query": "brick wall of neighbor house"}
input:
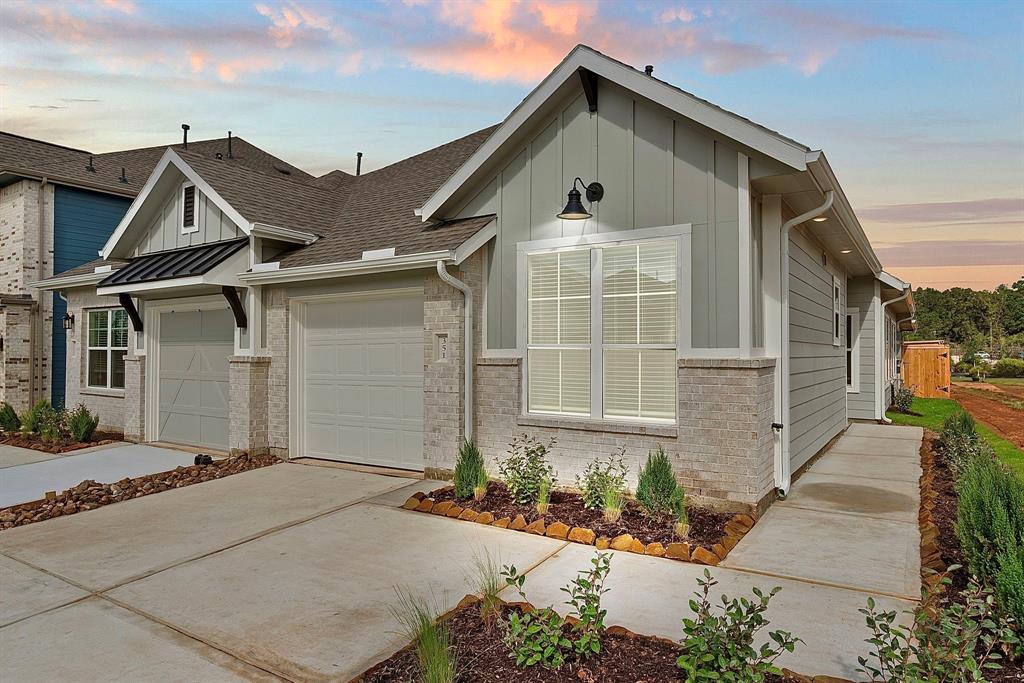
[(248, 378), (16, 331)]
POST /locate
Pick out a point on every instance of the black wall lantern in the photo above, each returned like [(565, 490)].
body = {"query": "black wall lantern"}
[(69, 321), (574, 210)]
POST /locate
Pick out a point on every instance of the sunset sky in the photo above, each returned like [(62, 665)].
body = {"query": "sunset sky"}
[(919, 106)]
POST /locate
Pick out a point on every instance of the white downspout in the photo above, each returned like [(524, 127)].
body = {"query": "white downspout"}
[(467, 346), (881, 366), (782, 465)]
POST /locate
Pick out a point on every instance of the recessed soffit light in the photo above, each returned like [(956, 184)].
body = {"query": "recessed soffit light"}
[(820, 219)]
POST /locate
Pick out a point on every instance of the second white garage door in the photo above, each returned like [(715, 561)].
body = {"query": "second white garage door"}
[(362, 380)]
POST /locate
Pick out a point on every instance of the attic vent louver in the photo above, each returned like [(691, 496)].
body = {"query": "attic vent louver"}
[(188, 209)]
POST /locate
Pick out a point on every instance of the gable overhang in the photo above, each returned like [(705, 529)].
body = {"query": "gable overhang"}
[(71, 281), (566, 78), (223, 274), (120, 244)]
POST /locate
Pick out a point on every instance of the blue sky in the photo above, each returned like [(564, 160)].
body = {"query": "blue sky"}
[(919, 106)]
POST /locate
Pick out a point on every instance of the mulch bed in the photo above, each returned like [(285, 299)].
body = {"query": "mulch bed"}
[(35, 443), (481, 655), (707, 527), (90, 495)]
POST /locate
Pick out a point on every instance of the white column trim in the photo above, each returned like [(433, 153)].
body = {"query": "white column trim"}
[(744, 254)]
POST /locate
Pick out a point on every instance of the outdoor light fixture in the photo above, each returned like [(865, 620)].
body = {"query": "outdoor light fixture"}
[(820, 219), (845, 251), (574, 210), (69, 321)]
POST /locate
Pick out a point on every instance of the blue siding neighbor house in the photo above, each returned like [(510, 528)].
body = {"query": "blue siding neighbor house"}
[(82, 222)]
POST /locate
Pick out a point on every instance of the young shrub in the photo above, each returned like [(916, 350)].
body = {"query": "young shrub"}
[(52, 427), (989, 515), (903, 398), (488, 585), (1010, 584), (525, 468), (959, 423), (544, 497), (657, 487), (718, 643), (9, 421), (31, 418), (585, 593), (682, 516), (612, 505), (480, 488), (601, 475), (430, 638), (82, 424), (467, 469)]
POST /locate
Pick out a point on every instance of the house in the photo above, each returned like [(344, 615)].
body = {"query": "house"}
[(69, 201), (617, 263)]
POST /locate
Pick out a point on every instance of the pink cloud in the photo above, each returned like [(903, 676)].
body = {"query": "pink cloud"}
[(678, 14), (126, 6)]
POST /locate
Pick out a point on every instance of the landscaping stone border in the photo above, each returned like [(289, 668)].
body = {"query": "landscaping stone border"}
[(34, 443), (735, 529)]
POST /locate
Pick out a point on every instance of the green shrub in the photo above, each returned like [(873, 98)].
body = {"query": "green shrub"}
[(1008, 367), (959, 423), (9, 421), (81, 423), (31, 418), (525, 468), (989, 515), (467, 469), (430, 637), (600, 476), (718, 643), (902, 398), (657, 488), (543, 497), (961, 442), (1010, 583), (611, 505), (52, 424)]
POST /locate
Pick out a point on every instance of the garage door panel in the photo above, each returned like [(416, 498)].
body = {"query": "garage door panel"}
[(351, 358), (382, 359), (412, 404), (351, 401)]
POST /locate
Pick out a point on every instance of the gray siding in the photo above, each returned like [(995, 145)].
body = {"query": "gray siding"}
[(657, 169), (164, 231), (861, 295), (817, 372)]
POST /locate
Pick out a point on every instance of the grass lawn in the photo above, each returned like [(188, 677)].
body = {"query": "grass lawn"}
[(934, 411)]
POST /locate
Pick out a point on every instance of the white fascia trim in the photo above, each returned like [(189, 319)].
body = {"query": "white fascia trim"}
[(693, 108), (346, 268), (166, 160), (133, 288), (474, 243), (825, 179), (276, 232), (892, 281), (80, 280)]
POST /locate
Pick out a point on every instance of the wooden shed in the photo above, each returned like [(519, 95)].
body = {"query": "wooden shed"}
[(925, 368)]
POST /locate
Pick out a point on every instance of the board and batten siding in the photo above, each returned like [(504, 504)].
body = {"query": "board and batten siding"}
[(817, 382), (863, 296), (164, 231), (657, 169)]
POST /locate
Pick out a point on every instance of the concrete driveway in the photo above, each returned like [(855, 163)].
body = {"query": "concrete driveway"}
[(286, 573)]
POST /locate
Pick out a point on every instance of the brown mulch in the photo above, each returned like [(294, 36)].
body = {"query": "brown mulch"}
[(481, 655), (1007, 421), (35, 443), (707, 526), (90, 495)]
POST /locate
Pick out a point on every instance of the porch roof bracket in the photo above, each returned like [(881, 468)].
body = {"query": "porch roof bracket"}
[(589, 81), (231, 294), (128, 304)]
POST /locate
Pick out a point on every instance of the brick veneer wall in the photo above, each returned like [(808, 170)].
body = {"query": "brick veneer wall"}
[(276, 315), (248, 379), (135, 398), (15, 359)]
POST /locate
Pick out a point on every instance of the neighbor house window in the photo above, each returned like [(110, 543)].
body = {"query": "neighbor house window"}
[(601, 331), (188, 209), (108, 345)]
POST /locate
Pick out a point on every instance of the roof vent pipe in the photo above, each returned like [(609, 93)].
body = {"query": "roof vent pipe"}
[(123, 178), (184, 134), (90, 167), (359, 162), (649, 69), (230, 155)]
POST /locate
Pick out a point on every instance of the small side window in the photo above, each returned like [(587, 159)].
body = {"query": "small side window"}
[(188, 209)]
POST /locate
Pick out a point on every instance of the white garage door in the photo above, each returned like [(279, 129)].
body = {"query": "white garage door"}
[(362, 381), (194, 351)]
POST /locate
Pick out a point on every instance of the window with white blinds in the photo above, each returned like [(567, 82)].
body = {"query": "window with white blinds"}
[(604, 347)]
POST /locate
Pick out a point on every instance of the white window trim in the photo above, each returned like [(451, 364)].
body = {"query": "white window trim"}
[(679, 233), (854, 386), (109, 348), (838, 321), (194, 228)]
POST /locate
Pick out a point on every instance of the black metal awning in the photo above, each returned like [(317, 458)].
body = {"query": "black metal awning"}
[(174, 263)]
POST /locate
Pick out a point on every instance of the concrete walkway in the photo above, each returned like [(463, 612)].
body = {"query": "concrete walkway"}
[(31, 477), (11, 456), (287, 572)]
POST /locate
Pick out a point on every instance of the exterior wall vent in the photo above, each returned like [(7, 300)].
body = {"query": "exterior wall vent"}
[(188, 209)]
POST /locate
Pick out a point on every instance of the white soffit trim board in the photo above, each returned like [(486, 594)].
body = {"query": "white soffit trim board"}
[(689, 106), (825, 178), (470, 246), (892, 281), (346, 268), (280, 234), (79, 280)]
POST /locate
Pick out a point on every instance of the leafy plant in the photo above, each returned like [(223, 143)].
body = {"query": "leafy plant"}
[(31, 418), (601, 475), (430, 637), (902, 398), (657, 488), (949, 641), (720, 645), (585, 593), (489, 585), (467, 469), (81, 423), (612, 505), (9, 421), (1008, 367), (525, 468), (959, 423), (1010, 584), (51, 424), (989, 515), (543, 497), (961, 443)]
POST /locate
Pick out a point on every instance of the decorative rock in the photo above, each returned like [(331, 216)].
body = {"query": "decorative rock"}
[(678, 551), (485, 518), (537, 527), (582, 535), (719, 549), (617, 631), (425, 505), (655, 549), (518, 523), (411, 504), (603, 543), (453, 511), (52, 495), (441, 508), (745, 520), (730, 542), (502, 523), (469, 515), (800, 678), (734, 528), (702, 555), (419, 495), (621, 542), (558, 530), (637, 547)]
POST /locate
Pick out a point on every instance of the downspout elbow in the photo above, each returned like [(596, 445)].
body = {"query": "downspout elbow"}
[(467, 346)]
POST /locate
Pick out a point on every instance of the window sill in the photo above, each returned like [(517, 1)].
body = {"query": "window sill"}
[(592, 425), (851, 390), (100, 391)]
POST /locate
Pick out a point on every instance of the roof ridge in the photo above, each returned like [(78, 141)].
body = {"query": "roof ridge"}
[(490, 128)]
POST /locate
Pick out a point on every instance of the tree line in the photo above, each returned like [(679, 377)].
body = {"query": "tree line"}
[(974, 320)]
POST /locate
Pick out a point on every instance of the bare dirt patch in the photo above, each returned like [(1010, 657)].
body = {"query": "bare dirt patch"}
[(1007, 421)]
